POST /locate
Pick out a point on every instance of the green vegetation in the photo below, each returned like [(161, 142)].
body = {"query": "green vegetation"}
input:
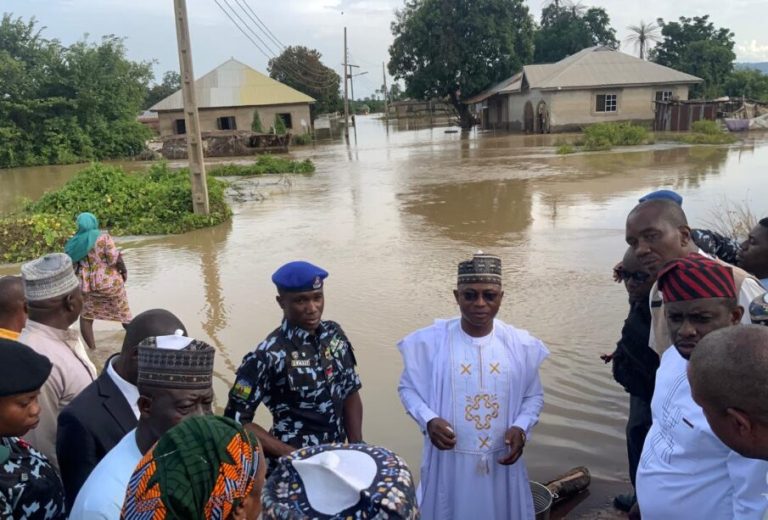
[(302, 139), (256, 123), (702, 132), (750, 83), (159, 91), (279, 126), (565, 149), (300, 68), (567, 28), (476, 44), (603, 136), (158, 201), (67, 104), (265, 164)]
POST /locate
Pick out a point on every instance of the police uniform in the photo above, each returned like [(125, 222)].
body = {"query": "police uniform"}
[(303, 378), (30, 488)]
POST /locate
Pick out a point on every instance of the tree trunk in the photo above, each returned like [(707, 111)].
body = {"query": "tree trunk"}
[(466, 120)]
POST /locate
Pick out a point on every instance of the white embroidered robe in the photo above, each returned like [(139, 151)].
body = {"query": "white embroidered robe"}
[(482, 386)]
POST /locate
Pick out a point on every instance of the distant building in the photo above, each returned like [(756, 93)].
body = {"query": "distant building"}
[(227, 98), (414, 108), (594, 85)]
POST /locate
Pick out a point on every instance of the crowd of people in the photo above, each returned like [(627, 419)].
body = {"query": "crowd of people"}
[(140, 440)]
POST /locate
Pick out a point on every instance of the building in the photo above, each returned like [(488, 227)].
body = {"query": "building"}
[(595, 85), (228, 97)]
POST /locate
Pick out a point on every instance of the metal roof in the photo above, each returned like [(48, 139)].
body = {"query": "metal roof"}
[(234, 84), (593, 67)]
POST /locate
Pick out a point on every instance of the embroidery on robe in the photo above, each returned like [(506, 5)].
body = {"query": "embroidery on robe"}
[(485, 442), (482, 418), (466, 369), (495, 368)]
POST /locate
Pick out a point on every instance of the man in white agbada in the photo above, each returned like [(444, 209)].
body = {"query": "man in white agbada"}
[(685, 471), (472, 385)]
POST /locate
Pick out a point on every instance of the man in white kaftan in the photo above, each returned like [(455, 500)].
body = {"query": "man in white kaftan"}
[(481, 376)]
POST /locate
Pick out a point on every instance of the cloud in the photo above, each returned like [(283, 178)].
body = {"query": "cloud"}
[(752, 51)]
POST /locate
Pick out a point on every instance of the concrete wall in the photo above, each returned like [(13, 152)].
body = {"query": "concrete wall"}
[(572, 109), (243, 118)]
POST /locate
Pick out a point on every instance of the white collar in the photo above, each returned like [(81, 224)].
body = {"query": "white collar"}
[(129, 391)]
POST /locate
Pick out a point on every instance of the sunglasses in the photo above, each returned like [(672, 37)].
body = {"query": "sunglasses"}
[(638, 276), (471, 296)]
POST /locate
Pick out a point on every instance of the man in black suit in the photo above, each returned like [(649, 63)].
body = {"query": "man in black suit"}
[(106, 410)]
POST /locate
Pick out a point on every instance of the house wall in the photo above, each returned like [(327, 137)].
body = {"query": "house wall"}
[(243, 117), (572, 109)]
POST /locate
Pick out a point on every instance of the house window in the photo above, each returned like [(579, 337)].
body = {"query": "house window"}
[(226, 123), (663, 95), (287, 120), (179, 126), (605, 103)]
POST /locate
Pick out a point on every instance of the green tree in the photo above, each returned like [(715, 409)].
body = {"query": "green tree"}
[(642, 35), (300, 68), (455, 48), (279, 127), (566, 29), (159, 91), (256, 123), (696, 46), (749, 83), (66, 104)]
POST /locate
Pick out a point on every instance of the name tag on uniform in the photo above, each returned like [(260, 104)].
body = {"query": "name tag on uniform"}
[(301, 363)]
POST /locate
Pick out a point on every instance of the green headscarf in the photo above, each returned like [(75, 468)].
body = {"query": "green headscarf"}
[(200, 469), (88, 232)]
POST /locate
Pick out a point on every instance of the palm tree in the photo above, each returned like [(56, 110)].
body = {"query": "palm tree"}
[(642, 35)]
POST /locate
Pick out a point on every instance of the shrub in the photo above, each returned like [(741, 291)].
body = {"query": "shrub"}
[(29, 236), (602, 136), (265, 164), (565, 149), (706, 127), (302, 139), (256, 123), (280, 128)]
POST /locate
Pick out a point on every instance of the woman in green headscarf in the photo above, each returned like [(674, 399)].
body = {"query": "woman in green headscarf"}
[(100, 267)]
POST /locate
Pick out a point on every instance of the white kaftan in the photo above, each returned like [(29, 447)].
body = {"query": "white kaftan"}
[(482, 386), (685, 471)]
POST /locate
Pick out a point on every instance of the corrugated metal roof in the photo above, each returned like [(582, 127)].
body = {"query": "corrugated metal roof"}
[(234, 84), (602, 66)]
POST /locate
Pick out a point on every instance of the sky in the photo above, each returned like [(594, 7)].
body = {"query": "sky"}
[(149, 30)]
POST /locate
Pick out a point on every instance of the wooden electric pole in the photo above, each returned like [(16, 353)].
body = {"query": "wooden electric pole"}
[(192, 120), (346, 98), (386, 96)]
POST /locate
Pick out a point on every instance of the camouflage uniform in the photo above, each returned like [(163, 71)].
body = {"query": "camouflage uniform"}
[(715, 244), (303, 379), (30, 489)]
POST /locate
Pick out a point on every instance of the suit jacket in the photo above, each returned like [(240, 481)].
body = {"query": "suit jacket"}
[(91, 425)]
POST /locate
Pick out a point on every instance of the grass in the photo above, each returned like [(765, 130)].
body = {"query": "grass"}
[(264, 165), (158, 201), (604, 136), (732, 219), (565, 149), (702, 132)]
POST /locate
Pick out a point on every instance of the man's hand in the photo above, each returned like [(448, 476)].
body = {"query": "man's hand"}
[(607, 358), (515, 439), (617, 269), (441, 434)]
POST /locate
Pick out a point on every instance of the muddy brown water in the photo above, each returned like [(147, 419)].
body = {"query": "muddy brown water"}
[(391, 215)]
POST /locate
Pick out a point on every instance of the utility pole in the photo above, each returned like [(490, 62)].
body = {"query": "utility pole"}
[(194, 141), (351, 81), (346, 98), (386, 96)]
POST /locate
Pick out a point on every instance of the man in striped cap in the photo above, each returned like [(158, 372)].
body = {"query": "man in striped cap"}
[(175, 382), (472, 385), (685, 470)]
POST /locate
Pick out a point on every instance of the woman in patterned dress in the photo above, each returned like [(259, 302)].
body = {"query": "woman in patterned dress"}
[(102, 273)]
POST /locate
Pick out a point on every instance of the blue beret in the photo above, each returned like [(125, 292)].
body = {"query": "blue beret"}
[(663, 195), (299, 277)]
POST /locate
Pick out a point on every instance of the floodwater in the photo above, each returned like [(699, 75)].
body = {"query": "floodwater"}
[(390, 217)]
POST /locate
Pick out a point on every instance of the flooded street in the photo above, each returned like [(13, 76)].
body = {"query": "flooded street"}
[(390, 217)]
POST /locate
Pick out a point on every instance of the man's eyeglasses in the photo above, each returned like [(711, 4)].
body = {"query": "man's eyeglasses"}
[(471, 296), (638, 276)]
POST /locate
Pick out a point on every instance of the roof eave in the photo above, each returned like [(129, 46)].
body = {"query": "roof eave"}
[(621, 85)]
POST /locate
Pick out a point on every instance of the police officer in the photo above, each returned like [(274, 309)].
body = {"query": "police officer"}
[(304, 372), (29, 486)]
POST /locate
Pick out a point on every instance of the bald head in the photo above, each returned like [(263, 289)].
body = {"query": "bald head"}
[(13, 308), (729, 369), (665, 210)]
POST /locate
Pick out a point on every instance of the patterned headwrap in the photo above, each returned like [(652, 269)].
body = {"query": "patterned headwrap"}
[(696, 277), (340, 482), (200, 469), (481, 269)]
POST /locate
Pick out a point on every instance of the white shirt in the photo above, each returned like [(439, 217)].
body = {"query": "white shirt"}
[(129, 391), (685, 471), (103, 494)]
